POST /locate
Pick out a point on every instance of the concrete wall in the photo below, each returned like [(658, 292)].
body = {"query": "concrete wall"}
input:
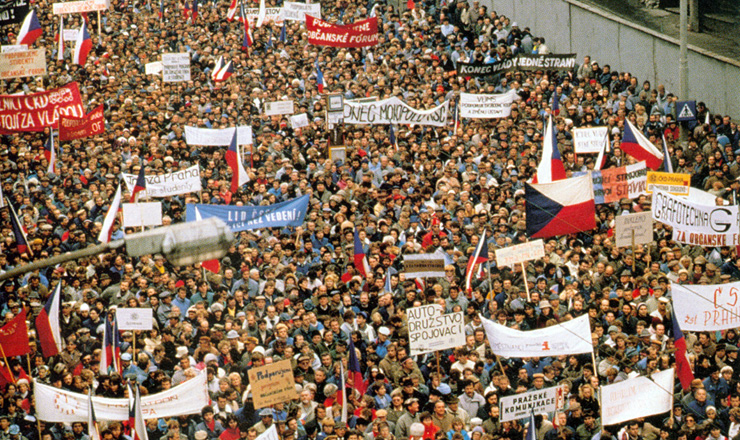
[(570, 26)]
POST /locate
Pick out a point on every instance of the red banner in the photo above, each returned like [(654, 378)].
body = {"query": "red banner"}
[(14, 336), (361, 34), (77, 128), (39, 110)]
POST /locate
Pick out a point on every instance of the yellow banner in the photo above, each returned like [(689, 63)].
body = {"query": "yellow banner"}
[(672, 183)]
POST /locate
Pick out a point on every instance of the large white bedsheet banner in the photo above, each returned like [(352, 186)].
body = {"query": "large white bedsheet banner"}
[(706, 307), (56, 405), (571, 337), (636, 398), (217, 137), (393, 111)]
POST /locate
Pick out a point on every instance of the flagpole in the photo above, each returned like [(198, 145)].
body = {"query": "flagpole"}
[(98, 25), (526, 283), (7, 364), (633, 252)]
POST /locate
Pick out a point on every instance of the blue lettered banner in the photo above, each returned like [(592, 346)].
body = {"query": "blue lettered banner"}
[(244, 218)]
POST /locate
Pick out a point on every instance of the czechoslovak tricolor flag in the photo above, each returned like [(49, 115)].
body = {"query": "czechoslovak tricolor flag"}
[(110, 217), (138, 428), (239, 175), (359, 256), (353, 365), (551, 166), (50, 153), (93, 430), (47, 324), (319, 77), (224, 73), (638, 146), (560, 208), (18, 232), (683, 368), (140, 184), (83, 46), (30, 30), (110, 357), (478, 257)]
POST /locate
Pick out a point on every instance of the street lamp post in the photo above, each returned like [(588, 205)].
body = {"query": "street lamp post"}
[(181, 245)]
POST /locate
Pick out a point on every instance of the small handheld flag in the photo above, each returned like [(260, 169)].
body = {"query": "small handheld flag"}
[(83, 46), (363, 268), (319, 77), (30, 30), (140, 184)]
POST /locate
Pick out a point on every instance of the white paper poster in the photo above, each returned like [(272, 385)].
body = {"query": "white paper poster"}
[(10, 48), (520, 406), (61, 406), (430, 330), (706, 307), (153, 68), (294, 11), (570, 337), (520, 253), (212, 137), (176, 67), (179, 182), (423, 265), (486, 106), (279, 108), (134, 318), (695, 224), (141, 214), (642, 225), (637, 398), (299, 121), (589, 140)]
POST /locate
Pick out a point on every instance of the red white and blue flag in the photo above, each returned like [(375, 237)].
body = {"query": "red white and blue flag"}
[(19, 233), (248, 40), (138, 430), (140, 184), (224, 72), (683, 367), (353, 367), (239, 175), (110, 357), (217, 67), (195, 10), (30, 29), (47, 324), (555, 104), (363, 268), (50, 153), (161, 9), (392, 137), (232, 11), (83, 46), (638, 146), (560, 208), (480, 255), (110, 218), (667, 164), (319, 77), (551, 166)]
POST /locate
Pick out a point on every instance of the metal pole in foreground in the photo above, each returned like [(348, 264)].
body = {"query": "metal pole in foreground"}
[(683, 63)]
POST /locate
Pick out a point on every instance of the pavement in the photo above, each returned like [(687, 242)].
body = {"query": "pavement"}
[(720, 32)]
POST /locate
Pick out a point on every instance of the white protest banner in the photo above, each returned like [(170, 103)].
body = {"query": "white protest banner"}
[(423, 266), (640, 223), (274, 15), (299, 121), (486, 106), (211, 137), (277, 108), (153, 68), (134, 318), (520, 406), (637, 398), (520, 253), (706, 307), (570, 337), (175, 67), (61, 406), (431, 330), (393, 111), (179, 182), (79, 7), (294, 11), (589, 140), (272, 383), (695, 224), (70, 34), (10, 48), (142, 214), (22, 64)]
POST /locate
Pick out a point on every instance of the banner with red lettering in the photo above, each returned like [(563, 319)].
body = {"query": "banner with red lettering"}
[(77, 128), (36, 111), (360, 34)]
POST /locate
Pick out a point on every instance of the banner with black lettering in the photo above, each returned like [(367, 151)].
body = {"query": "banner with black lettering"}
[(520, 406), (430, 330), (172, 184), (393, 111), (695, 224), (477, 106)]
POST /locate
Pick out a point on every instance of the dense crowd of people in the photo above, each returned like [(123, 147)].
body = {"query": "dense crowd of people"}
[(293, 293)]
